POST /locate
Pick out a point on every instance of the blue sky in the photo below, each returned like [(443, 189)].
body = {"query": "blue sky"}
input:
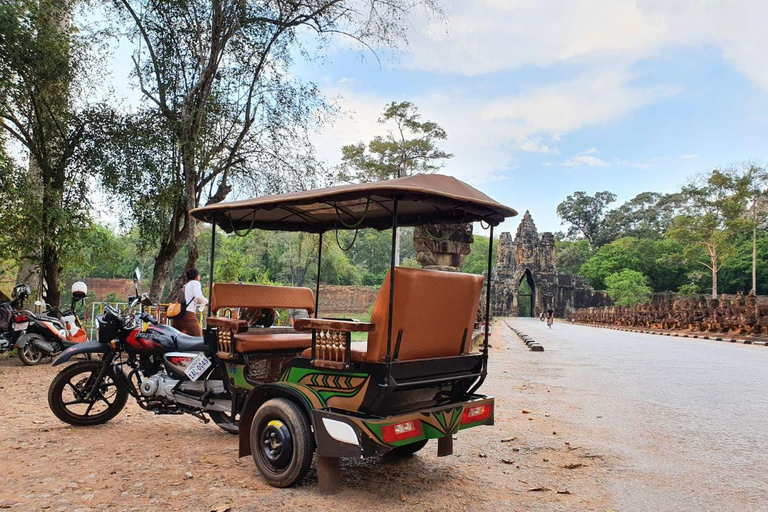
[(544, 98), (541, 99)]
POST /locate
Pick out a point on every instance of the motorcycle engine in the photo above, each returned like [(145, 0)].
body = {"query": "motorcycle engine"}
[(45, 346), (160, 385)]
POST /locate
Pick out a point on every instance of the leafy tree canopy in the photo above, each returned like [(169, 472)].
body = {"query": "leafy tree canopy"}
[(409, 147), (628, 288)]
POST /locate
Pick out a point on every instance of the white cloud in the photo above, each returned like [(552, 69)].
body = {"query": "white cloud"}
[(586, 159), (485, 135), (485, 36)]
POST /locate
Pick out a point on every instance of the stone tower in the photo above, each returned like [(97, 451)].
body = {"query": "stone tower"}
[(531, 257)]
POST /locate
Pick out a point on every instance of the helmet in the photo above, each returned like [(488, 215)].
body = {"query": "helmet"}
[(20, 291), (79, 290)]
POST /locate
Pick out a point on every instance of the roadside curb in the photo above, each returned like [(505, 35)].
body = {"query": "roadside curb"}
[(703, 336), (530, 342)]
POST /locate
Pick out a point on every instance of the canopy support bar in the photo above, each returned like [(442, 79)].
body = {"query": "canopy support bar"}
[(213, 257), (317, 282), (391, 289), (488, 283)]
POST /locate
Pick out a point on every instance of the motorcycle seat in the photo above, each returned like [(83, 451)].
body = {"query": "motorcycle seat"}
[(188, 343)]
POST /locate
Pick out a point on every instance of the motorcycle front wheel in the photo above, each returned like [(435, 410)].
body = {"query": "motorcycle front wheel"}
[(68, 395), (30, 355)]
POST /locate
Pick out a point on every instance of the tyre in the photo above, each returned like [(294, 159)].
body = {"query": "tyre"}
[(67, 395), (406, 450), (281, 442), (224, 421), (30, 355)]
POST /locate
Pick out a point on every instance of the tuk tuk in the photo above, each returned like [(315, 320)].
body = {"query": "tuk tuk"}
[(312, 389)]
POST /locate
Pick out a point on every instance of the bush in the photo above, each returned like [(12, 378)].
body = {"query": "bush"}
[(628, 288)]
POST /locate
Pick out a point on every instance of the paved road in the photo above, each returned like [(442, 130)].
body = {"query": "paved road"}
[(684, 422)]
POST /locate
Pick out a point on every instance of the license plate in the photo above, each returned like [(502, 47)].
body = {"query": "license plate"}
[(21, 327), (197, 367)]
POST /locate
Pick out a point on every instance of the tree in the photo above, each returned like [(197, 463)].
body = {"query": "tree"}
[(585, 214), (647, 215), (713, 219), (571, 255), (410, 147), (217, 74), (46, 71), (628, 288), (661, 261), (476, 262)]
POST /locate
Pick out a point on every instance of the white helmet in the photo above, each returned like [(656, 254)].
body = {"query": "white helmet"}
[(79, 290)]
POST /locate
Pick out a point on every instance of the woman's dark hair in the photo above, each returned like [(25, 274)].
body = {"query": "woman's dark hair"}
[(192, 274)]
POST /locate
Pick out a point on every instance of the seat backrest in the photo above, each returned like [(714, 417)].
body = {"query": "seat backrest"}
[(231, 295), (433, 309)]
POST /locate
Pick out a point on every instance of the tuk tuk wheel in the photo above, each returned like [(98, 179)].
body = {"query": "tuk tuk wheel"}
[(281, 442)]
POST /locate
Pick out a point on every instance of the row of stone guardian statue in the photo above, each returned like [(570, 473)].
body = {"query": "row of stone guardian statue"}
[(698, 314)]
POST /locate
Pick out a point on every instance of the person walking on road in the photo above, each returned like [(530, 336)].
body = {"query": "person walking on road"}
[(194, 300), (550, 317)]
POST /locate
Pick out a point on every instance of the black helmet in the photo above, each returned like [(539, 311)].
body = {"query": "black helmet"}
[(20, 291)]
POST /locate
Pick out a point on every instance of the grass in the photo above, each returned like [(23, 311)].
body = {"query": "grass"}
[(363, 317)]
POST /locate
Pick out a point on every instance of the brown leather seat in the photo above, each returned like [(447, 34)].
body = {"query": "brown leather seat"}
[(434, 310), (231, 295), (267, 342)]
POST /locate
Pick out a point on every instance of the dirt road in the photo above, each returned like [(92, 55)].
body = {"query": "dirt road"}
[(140, 462)]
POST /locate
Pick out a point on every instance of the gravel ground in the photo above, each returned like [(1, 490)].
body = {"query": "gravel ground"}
[(139, 461)]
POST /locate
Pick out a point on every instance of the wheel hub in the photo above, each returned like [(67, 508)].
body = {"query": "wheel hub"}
[(277, 444)]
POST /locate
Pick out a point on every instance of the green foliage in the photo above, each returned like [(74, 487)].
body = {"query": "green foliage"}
[(584, 214), (714, 218), (571, 255), (647, 215), (661, 260), (628, 288), (476, 261), (408, 148), (689, 289)]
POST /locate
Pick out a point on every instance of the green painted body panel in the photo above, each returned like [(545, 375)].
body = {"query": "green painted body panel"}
[(236, 375)]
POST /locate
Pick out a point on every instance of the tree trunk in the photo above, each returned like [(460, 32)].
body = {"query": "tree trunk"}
[(161, 272), (754, 260)]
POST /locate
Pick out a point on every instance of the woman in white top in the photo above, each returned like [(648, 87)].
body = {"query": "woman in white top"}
[(194, 300)]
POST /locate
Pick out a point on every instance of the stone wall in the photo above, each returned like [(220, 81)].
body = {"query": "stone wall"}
[(101, 288), (347, 299)]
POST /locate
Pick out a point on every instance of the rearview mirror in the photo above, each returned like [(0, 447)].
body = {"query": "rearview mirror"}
[(136, 274)]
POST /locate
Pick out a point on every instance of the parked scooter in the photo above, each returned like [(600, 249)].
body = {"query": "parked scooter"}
[(164, 370), (13, 322), (51, 333)]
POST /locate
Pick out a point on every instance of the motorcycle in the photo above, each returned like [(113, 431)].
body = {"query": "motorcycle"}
[(13, 321), (164, 370), (50, 333)]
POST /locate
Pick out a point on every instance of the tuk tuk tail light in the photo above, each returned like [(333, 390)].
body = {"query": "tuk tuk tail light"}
[(476, 413), (401, 431)]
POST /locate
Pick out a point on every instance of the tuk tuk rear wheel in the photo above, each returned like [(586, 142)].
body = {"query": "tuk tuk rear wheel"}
[(281, 442)]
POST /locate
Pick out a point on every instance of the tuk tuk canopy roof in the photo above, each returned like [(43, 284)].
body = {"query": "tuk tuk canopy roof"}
[(421, 199)]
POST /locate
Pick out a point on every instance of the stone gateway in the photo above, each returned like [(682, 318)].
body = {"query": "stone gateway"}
[(526, 281)]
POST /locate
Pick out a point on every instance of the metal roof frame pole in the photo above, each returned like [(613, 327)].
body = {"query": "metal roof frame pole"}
[(317, 281), (213, 257), (391, 291), (488, 284)]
